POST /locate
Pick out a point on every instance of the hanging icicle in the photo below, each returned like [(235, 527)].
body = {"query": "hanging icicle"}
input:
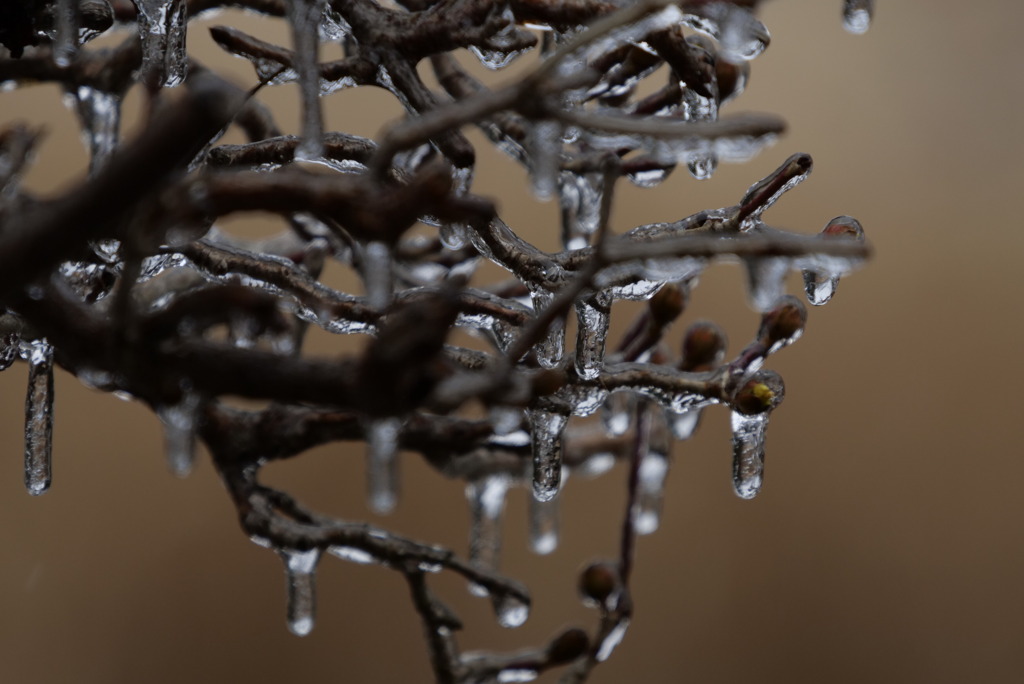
[(38, 416)]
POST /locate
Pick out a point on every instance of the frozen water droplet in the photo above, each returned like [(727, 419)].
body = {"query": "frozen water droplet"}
[(653, 471), (486, 504), (766, 277), (684, 424), (544, 146), (300, 569), (593, 319), (304, 16), (748, 453), (617, 413), (821, 284), (38, 415), (546, 436), (703, 167), (162, 28), (543, 526), (857, 15), (382, 463), (819, 288), (180, 432), (378, 275), (510, 610), (612, 640), (551, 347)]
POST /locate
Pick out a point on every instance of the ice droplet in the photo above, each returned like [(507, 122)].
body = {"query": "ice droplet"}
[(593, 314), (300, 569), (180, 432), (612, 640), (741, 37), (653, 470), (696, 107), (684, 424), (486, 504), (821, 284), (748, 453), (551, 347), (510, 610), (857, 15), (100, 115), (382, 463), (162, 27), (546, 435), (38, 415), (820, 288), (304, 16), (543, 526), (378, 275), (766, 277)]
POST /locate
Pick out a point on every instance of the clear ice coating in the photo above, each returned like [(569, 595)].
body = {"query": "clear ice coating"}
[(766, 277), (486, 504), (162, 28), (511, 611), (305, 16), (38, 415), (100, 115), (300, 569), (543, 526), (654, 467), (857, 15), (180, 422), (820, 285), (593, 315), (546, 430), (748, 453), (551, 347), (382, 463)]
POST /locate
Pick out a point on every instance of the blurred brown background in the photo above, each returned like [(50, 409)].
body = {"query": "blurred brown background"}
[(887, 545)]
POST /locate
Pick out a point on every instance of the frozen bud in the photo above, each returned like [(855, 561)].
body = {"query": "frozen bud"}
[(703, 347), (568, 646), (599, 583), (783, 324), (762, 392), (667, 304), (844, 226)]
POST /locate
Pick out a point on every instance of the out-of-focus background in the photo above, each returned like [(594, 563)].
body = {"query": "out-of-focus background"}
[(887, 545)]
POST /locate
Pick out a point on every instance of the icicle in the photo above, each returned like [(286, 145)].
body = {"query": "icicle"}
[(820, 285), (300, 567), (180, 432), (382, 464), (766, 277), (857, 15), (748, 453), (653, 471), (38, 415), (684, 424), (162, 27), (100, 115), (510, 610), (486, 504), (546, 436), (543, 526), (551, 347), (617, 413), (66, 41), (592, 330), (580, 198), (378, 275), (612, 640), (696, 107), (544, 145), (305, 16)]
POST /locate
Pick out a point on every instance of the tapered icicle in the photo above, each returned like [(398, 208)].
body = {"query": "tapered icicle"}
[(486, 504), (857, 15), (305, 16), (592, 331), (580, 198), (766, 277), (617, 413), (66, 18), (748, 453), (300, 569), (38, 415), (378, 275), (546, 437), (544, 145), (551, 347), (653, 471), (382, 464), (543, 526), (511, 611), (100, 115), (180, 422), (162, 28)]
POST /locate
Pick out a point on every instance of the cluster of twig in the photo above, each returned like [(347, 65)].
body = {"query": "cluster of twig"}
[(126, 281)]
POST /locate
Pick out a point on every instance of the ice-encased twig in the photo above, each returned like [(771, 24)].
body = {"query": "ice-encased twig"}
[(300, 570), (486, 504), (38, 416)]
